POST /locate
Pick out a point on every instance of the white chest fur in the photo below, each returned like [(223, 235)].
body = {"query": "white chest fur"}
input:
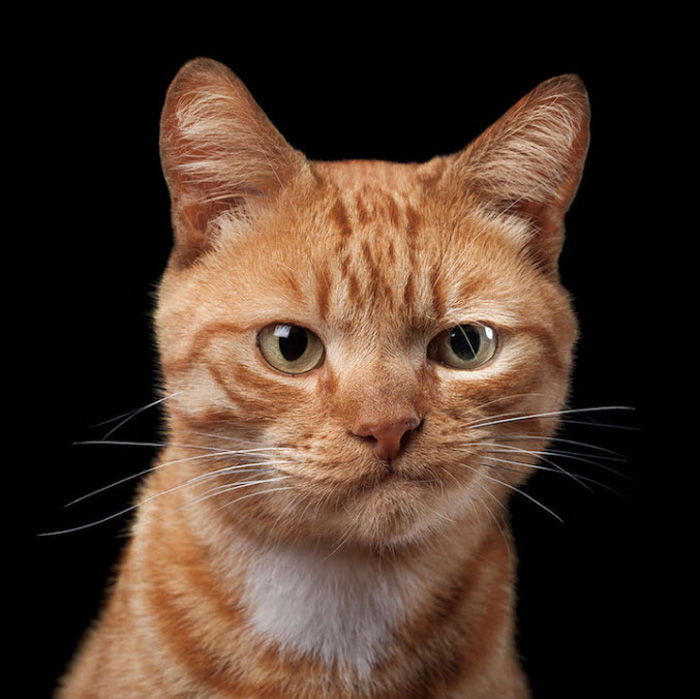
[(341, 608)]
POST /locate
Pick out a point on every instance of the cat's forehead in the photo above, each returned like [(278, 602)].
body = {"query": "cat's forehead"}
[(375, 256), (372, 251)]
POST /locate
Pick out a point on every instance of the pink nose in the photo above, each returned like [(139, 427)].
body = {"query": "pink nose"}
[(387, 436)]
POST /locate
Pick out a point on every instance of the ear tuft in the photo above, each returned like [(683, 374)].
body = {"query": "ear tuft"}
[(529, 163), (220, 153)]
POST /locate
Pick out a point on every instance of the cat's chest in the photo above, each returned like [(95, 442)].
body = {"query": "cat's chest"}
[(335, 607)]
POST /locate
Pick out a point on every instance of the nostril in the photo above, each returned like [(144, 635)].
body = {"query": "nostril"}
[(368, 438)]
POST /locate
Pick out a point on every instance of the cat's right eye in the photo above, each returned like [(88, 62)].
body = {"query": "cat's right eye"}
[(290, 348)]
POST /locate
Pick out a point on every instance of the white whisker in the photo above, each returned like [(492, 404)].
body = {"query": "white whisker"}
[(514, 395), (132, 413), (573, 456), (113, 442), (517, 490), (591, 423), (151, 469), (492, 516), (560, 439), (237, 439), (260, 492), (563, 455), (540, 455), (150, 498), (559, 470), (221, 489), (553, 413)]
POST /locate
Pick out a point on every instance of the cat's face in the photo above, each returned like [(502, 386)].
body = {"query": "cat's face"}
[(376, 324)]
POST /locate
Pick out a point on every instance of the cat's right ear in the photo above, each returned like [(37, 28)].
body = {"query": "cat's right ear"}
[(220, 154)]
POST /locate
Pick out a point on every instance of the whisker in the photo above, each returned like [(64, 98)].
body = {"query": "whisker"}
[(541, 457), (151, 469), (571, 456), (553, 413), (574, 456), (560, 471), (537, 467), (115, 442), (342, 541), (90, 524), (514, 395), (591, 423), (493, 517), (221, 489), (564, 453), (209, 475), (451, 475), (235, 439), (150, 498), (517, 490), (260, 492), (132, 413), (563, 440)]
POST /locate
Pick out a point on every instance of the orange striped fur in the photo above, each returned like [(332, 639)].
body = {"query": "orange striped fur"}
[(331, 572)]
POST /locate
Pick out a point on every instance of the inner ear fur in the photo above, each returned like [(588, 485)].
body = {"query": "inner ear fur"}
[(529, 163), (220, 153)]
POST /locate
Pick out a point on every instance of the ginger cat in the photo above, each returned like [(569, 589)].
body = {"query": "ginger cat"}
[(344, 346)]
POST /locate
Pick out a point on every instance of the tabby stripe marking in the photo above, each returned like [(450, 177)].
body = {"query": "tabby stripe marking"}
[(339, 215)]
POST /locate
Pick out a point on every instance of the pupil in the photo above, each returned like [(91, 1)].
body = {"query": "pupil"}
[(294, 343), (465, 341)]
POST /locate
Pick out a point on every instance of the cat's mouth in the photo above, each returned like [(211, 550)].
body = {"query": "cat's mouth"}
[(347, 480), (391, 476), (395, 476)]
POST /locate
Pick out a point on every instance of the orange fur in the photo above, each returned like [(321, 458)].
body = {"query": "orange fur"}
[(331, 572)]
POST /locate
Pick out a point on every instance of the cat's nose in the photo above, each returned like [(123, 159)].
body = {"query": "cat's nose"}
[(388, 436)]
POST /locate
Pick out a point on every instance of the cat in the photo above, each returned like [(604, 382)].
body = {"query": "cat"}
[(348, 350)]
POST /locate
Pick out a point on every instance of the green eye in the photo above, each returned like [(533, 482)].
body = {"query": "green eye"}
[(290, 348), (465, 346)]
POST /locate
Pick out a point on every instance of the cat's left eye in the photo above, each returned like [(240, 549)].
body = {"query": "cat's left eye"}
[(290, 348), (465, 346)]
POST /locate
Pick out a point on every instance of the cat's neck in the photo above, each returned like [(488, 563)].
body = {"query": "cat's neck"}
[(361, 613), (345, 605)]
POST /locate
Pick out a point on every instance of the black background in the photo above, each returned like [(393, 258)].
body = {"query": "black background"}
[(604, 597)]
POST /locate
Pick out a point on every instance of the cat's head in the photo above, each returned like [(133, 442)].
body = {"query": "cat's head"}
[(374, 325)]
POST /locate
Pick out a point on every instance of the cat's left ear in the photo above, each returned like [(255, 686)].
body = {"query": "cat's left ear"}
[(529, 163)]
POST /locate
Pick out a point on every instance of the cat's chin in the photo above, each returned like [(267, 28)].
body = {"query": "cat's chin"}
[(393, 511)]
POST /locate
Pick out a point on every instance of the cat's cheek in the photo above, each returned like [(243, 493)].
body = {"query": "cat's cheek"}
[(197, 396)]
